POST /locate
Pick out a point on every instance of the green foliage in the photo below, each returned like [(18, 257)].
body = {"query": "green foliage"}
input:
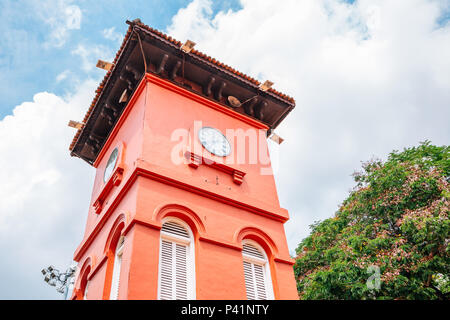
[(396, 221)]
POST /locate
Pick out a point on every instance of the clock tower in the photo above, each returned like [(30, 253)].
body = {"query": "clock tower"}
[(184, 203)]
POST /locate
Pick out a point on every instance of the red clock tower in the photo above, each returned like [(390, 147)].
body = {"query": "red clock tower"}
[(184, 203)]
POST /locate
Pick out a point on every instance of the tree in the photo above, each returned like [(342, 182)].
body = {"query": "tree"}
[(390, 237)]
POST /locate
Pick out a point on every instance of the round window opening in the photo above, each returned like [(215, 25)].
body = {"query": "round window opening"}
[(110, 165), (214, 141)]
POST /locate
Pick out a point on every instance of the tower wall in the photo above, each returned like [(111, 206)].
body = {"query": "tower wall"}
[(220, 212)]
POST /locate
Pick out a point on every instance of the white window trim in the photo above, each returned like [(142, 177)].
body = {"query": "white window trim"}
[(262, 262), (117, 268), (191, 294), (86, 288), (175, 238)]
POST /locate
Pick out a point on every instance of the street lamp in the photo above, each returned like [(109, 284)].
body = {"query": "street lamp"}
[(61, 280)]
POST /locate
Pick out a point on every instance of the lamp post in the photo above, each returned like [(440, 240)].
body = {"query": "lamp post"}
[(60, 280)]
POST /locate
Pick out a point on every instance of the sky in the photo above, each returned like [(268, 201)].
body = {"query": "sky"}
[(368, 76)]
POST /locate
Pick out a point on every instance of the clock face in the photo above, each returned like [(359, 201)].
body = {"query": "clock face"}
[(214, 141), (110, 165)]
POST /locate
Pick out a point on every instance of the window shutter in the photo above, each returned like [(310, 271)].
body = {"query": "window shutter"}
[(174, 276), (255, 281), (254, 273), (166, 270), (114, 293), (181, 272), (260, 282), (174, 228), (251, 251), (249, 286)]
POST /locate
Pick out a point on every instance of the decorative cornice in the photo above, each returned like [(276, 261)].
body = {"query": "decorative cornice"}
[(209, 194), (221, 243), (148, 224), (201, 57), (290, 262), (140, 172)]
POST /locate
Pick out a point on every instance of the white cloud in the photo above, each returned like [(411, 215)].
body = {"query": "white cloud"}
[(62, 76), (368, 78), (44, 192), (62, 17), (90, 54), (192, 20), (113, 35)]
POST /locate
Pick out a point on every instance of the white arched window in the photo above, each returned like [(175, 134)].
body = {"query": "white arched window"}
[(258, 282), (114, 293), (176, 264)]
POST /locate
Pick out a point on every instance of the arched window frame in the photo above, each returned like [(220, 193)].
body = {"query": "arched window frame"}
[(262, 262), (84, 281), (86, 289), (191, 291), (117, 266), (110, 249)]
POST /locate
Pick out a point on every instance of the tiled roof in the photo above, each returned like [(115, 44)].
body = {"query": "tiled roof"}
[(177, 43), (214, 61)]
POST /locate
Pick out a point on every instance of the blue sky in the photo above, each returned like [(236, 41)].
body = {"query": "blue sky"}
[(368, 76), (29, 64)]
